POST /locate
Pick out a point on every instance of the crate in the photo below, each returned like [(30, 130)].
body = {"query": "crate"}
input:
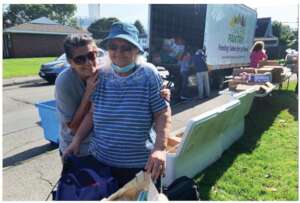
[(49, 120)]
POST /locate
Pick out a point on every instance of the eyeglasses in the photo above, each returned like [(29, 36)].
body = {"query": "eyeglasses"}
[(82, 59), (123, 48)]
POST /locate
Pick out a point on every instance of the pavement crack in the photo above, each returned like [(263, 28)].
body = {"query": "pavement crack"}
[(45, 179), (19, 130), (24, 102), (52, 186)]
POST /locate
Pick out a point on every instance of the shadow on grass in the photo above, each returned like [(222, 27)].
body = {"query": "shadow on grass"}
[(261, 116)]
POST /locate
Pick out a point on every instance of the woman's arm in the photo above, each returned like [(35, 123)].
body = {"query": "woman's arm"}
[(82, 132), (85, 104), (157, 160)]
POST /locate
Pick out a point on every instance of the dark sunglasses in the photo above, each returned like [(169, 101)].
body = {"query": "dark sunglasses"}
[(123, 48), (82, 59)]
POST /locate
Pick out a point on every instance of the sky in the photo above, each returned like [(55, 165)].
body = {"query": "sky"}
[(121, 11), (284, 12)]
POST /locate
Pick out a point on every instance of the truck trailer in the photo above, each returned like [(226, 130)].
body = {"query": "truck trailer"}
[(225, 31)]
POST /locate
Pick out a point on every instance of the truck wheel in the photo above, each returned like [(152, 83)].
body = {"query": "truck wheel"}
[(218, 81), (221, 82)]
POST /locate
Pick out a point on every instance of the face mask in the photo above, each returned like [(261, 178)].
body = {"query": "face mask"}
[(124, 69)]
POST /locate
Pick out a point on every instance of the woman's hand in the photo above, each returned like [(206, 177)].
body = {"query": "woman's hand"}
[(156, 164), (91, 84), (165, 93), (73, 148)]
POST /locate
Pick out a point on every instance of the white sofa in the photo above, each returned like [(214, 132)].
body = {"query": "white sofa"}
[(204, 132)]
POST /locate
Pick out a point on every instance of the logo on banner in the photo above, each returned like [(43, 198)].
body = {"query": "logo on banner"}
[(238, 26)]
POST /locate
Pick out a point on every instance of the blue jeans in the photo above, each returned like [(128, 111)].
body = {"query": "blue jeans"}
[(203, 84)]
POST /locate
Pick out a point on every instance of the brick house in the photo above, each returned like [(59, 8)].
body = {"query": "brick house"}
[(38, 38)]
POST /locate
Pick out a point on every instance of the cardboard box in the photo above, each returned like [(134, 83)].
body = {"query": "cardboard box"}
[(237, 71), (274, 70), (261, 78), (232, 84), (272, 63)]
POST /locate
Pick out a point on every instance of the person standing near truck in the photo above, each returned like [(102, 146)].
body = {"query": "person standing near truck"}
[(258, 54), (184, 63), (199, 62)]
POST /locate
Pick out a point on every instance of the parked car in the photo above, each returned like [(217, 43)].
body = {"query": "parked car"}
[(291, 60), (49, 71)]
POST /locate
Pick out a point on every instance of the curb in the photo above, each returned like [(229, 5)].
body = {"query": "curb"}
[(22, 82)]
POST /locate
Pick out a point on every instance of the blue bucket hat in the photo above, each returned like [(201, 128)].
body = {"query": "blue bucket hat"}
[(124, 31)]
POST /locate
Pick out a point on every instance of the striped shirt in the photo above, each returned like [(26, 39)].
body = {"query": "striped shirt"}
[(123, 116)]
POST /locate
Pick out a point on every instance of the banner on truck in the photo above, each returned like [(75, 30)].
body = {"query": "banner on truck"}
[(229, 34)]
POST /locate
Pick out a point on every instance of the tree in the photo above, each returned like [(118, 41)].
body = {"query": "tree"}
[(63, 13), (139, 26), (16, 14), (101, 27), (294, 45), (286, 37)]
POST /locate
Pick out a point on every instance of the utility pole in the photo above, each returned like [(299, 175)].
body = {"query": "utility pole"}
[(298, 28)]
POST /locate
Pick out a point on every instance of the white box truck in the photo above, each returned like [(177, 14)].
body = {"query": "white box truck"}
[(225, 30)]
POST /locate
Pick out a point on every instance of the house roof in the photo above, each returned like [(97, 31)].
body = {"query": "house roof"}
[(43, 20), (262, 26), (44, 25)]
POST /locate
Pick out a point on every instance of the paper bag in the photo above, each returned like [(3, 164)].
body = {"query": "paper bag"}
[(132, 190)]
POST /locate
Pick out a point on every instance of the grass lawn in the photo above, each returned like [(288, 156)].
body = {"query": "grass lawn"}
[(263, 163), (23, 66)]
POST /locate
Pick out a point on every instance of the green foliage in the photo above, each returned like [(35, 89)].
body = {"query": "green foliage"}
[(139, 26), (21, 13), (23, 66), (101, 27), (284, 33), (294, 44), (286, 36), (263, 163), (73, 23)]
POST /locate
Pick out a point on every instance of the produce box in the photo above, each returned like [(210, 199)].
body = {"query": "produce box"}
[(272, 63), (275, 70), (237, 71), (232, 84)]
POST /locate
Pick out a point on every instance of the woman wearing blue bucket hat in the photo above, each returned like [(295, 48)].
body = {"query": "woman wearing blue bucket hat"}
[(126, 104)]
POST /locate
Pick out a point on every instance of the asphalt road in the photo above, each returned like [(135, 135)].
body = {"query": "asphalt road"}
[(31, 166)]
